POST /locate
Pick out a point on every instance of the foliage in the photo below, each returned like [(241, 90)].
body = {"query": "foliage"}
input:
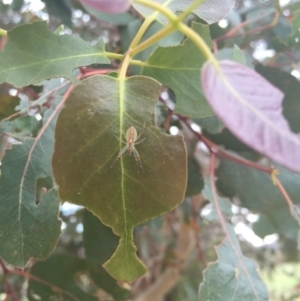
[(211, 127)]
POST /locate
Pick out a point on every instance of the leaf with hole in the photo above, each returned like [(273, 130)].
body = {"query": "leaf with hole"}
[(89, 135), (29, 225)]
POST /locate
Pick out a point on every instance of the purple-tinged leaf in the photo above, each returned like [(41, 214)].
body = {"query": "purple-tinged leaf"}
[(108, 6), (251, 108)]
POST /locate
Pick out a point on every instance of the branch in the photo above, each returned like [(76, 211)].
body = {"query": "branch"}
[(9, 288), (171, 275)]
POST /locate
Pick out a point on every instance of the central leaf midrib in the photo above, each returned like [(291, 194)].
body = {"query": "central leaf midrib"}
[(53, 60), (121, 128)]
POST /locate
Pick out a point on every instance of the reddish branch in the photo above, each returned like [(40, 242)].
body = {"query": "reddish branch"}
[(9, 288)]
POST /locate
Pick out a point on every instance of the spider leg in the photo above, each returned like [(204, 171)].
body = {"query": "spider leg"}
[(137, 157), (140, 141), (122, 151)]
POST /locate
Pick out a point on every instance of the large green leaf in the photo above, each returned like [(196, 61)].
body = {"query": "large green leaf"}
[(33, 54), (98, 111), (257, 192), (29, 226), (60, 271), (100, 243), (233, 276), (178, 68)]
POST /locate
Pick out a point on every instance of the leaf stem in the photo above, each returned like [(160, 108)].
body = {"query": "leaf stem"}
[(3, 32), (293, 208), (176, 24), (120, 57)]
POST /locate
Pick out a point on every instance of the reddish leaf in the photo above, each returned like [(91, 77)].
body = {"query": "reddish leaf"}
[(251, 108), (108, 6)]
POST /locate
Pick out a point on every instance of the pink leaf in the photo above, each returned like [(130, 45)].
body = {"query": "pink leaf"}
[(251, 108), (108, 6)]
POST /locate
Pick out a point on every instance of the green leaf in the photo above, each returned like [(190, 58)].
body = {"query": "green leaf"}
[(32, 54), (29, 225), (233, 276), (257, 192), (89, 136), (178, 68), (100, 243), (60, 271)]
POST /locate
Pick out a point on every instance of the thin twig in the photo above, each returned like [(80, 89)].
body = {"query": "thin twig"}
[(218, 151), (37, 279)]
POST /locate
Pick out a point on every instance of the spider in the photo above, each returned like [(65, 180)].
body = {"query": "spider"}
[(132, 138)]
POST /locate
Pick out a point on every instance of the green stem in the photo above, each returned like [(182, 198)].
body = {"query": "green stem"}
[(117, 56), (148, 21), (3, 32), (153, 39), (176, 24)]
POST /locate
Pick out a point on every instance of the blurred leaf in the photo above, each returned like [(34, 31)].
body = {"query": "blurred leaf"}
[(174, 68), (108, 6), (61, 271), (119, 19), (7, 105), (17, 4), (100, 243), (99, 110), (60, 9), (211, 123), (233, 276), (238, 55), (195, 181), (32, 53), (209, 10), (128, 33), (250, 107), (21, 127), (290, 86), (29, 227), (256, 191)]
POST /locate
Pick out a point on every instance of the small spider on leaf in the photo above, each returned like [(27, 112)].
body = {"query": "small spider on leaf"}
[(132, 139)]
